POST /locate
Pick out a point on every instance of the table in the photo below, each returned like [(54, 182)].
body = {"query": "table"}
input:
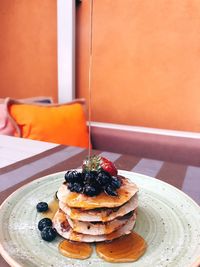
[(23, 160)]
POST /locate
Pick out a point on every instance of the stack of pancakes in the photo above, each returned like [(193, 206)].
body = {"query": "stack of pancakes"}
[(98, 218)]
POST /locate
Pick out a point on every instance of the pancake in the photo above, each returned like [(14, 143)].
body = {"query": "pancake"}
[(76, 200), (98, 228), (101, 214), (64, 229)]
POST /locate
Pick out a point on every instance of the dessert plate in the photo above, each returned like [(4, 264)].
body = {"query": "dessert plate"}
[(167, 219)]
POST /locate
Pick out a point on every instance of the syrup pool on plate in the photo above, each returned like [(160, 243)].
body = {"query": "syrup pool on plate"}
[(127, 248), (76, 250)]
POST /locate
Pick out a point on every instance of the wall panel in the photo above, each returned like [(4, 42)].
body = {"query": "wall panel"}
[(28, 48), (146, 62)]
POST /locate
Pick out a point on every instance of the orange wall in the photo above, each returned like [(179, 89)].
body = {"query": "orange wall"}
[(28, 48), (146, 62)]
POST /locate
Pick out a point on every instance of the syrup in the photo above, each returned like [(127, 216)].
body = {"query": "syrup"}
[(75, 214), (128, 248), (75, 250), (53, 207)]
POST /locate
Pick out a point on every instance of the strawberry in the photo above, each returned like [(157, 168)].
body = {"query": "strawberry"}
[(108, 166), (98, 163)]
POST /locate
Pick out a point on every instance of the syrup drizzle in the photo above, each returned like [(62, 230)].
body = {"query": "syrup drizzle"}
[(90, 76)]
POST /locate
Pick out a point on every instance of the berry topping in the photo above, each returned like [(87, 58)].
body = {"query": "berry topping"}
[(91, 190), (98, 175), (108, 166), (110, 190), (115, 182), (98, 163), (42, 206), (103, 178), (48, 233), (75, 187), (44, 223), (90, 177), (73, 176)]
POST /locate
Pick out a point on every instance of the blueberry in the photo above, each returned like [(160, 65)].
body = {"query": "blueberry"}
[(73, 176), (115, 182), (90, 177), (48, 233), (110, 190), (44, 223), (77, 187), (103, 178), (42, 206), (70, 186), (90, 190)]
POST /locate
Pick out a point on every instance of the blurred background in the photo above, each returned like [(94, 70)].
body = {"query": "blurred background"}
[(145, 60)]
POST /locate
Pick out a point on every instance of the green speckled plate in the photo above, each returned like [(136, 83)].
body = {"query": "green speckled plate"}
[(167, 219)]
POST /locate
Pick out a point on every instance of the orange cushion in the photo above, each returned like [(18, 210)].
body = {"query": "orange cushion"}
[(6, 125), (63, 124)]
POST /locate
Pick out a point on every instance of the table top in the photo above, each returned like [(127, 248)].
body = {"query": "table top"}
[(23, 160)]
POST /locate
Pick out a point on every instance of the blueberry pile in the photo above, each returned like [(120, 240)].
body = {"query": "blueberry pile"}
[(48, 233), (92, 183)]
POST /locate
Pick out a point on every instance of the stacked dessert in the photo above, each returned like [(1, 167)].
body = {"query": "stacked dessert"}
[(95, 204)]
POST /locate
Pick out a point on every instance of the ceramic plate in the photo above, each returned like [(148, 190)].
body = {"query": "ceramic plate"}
[(167, 219)]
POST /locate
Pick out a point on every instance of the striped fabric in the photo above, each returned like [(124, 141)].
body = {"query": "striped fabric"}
[(60, 158)]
